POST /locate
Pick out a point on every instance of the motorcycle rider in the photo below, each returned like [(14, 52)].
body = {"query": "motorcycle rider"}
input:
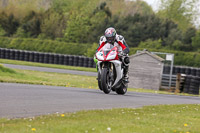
[(114, 39)]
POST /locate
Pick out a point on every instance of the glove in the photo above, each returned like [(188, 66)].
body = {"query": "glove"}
[(120, 54)]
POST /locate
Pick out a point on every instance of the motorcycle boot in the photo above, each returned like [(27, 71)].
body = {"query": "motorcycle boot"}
[(126, 77)]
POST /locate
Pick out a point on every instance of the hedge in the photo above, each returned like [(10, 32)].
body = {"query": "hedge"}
[(180, 57), (51, 46)]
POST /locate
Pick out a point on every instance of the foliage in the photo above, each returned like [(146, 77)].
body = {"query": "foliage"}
[(53, 24), (77, 27), (82, 22), (44, 45), (157, 44), (21, 33), (6, 70), (91, 51), (32, 23), (21, 8), (129, 8), (9, 23), (2, 32), (196, 41), (180, 11)]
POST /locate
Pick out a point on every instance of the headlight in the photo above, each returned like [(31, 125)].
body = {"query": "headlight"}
[(99, 56), (112, 55)]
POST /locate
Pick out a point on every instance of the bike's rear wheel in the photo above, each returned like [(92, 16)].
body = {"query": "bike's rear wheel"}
[(106, 81)]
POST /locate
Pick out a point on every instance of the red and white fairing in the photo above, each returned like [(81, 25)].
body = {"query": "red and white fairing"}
[(109, 53)]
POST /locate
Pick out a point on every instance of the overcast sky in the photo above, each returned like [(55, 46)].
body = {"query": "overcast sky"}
[(153, 3)]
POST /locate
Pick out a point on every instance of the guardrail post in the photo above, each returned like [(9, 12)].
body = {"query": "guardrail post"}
[(178, 82)]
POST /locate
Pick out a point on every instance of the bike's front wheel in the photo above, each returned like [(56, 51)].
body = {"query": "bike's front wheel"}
[(106, 82)]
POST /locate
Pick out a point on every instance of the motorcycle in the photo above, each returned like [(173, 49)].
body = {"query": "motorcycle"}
[(110, 67)]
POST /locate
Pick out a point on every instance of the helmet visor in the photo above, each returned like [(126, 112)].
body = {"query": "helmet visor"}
[(110, 39)]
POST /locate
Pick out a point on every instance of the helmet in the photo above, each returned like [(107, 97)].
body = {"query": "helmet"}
[(110, 35)]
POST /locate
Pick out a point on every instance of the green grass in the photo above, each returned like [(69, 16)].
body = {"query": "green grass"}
[(47, 78), (149, 119), (6, 70), (5, 61)]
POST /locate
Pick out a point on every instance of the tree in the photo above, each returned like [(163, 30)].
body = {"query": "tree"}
[(31, 24), (2, 32), (91, 51), (53, 25), (196, 41), (81, 21), (188, 35), (9, 23), (78, 27), (174, 34), (129, 7), (157, 44), (181, 12), (99, 21)]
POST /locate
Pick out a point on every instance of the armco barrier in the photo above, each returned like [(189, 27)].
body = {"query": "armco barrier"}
[(50, 58)]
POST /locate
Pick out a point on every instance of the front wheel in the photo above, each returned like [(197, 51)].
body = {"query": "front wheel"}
[(106, 82), (99, 81)]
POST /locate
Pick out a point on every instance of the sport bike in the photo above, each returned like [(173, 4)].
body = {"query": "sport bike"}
[(110, 67)]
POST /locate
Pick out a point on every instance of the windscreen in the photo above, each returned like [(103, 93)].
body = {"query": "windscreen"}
[(106, 48)]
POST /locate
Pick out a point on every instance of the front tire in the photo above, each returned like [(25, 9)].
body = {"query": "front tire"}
[(99, 81), (106, 82)]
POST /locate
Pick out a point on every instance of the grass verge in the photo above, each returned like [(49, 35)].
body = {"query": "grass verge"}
[(149, 119), (5, 61), (47, 78)]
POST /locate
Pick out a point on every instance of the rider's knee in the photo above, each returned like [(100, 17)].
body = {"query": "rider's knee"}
[(126, 60)]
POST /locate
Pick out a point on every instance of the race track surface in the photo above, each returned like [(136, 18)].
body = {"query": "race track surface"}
[(21, 100)]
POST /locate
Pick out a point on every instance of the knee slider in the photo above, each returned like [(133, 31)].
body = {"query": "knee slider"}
[(126, 60)]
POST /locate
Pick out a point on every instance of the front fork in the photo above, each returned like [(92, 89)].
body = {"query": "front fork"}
[(108, 66)]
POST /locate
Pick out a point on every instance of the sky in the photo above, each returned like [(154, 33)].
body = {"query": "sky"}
[(153, 3)]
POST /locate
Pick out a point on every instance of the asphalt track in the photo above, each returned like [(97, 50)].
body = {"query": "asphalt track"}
[(22, 100)]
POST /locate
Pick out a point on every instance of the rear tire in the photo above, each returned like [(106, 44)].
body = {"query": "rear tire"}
[(105, 81), (122, 89)]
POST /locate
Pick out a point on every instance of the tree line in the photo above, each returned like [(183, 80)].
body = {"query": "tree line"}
[(84, 22)]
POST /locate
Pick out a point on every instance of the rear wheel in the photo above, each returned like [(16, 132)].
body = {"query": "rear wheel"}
[(106, 81), (122, 89)]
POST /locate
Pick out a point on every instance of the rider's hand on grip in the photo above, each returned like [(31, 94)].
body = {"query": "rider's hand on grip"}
[(120, 54)]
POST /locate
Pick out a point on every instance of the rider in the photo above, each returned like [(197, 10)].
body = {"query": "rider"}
[(113, 38)]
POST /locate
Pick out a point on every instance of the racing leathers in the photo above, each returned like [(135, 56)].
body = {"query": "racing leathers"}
[(122, 47)]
